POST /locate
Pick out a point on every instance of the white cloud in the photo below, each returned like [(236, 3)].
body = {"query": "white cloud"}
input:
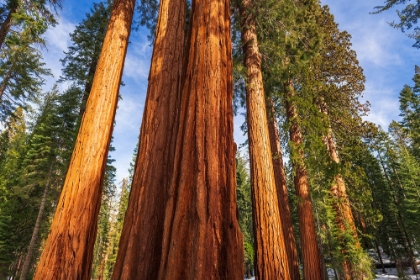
[(128, 121), (137, 63), (58, 41), (386, 54)]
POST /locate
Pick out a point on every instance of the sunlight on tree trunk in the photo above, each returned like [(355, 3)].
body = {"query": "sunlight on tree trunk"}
[(201, 237), (270, 248), (282, 192), (312, 267), (140, 248), (68, 251)]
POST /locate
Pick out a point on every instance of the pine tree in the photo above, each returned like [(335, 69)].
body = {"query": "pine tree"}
[(40, 169), (14, 152), (30, 13), (243, 193), (401, 232), (409, 16), (410, 109), (74, 226), (81, 59), (22, 71)]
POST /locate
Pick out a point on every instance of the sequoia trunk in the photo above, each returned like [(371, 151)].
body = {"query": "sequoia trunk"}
[(282, 192), (344, 216), (270, 248), (68, 250), (312, 266), (140, 249), (201, 237)]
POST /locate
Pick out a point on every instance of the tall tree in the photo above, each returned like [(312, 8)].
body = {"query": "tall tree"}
[(282, 191), (296, 30), (310, 251), (40, 166), (339, 82), (22, 71), (11, 162), (82, 57), (140, 249), (26, 13), (409, 16), (201, 233), (270, 248), (243, 193), (410, 110), (69, 248)]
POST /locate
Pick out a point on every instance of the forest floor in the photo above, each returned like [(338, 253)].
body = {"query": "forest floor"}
[(391, 273)]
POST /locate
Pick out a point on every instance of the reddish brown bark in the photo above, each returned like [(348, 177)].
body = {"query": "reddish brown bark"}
[(140, 249), (68, 250), (7, 23), (201, 237), (344, 215), (282, 192), (312, 266), (270, 248)]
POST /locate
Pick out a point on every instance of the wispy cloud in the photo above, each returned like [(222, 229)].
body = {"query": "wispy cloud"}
[(137, 63), (386, 54), (58, 41), (127, 123)]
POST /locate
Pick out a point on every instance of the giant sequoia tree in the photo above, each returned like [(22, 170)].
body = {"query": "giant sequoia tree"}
[(201, 238), (183, 225), (69, 248), (270, 248), (140, 250)]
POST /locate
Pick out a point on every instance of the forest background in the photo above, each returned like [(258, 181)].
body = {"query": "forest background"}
[(386, 55)]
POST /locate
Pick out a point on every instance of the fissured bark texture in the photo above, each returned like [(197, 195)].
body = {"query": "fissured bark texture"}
[(140, 249), (270, 249), (282, 192), (68, 250), (312, 267), (201, 237)]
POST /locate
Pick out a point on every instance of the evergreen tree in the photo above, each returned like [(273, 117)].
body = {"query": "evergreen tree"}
[(74, 234), (81, 59), (34, 191), (409, 16), (271, 252), (243, 193), (293, 26), (12, 159), (21, 71), (33, 14), (410, 111), (338, 82)]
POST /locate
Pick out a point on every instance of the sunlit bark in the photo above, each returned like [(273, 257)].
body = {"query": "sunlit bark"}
[(68, 251)]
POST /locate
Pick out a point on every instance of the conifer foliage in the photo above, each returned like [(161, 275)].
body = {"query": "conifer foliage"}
[(322, 192)]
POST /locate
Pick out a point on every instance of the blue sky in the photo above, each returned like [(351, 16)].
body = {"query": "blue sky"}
[(386, 55)]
